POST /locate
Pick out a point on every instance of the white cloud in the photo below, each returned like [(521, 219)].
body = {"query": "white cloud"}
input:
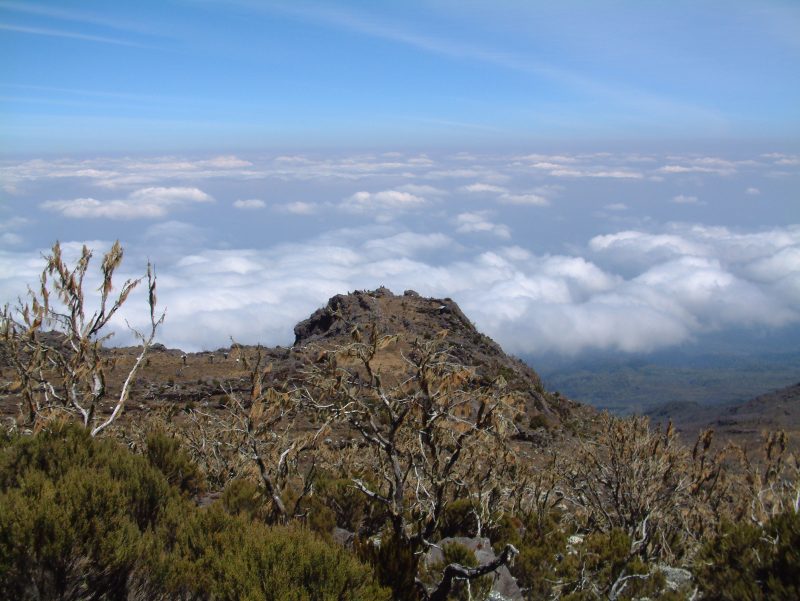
[(145, 203), (478, 222), (422, 190), (481, 188), (616, 206), (574, 171), (684, 199), (297, 208), (382, 202), (536, 200), (690, 279), (250, 204), (225, 162), (11, 239), (752, 191), (709, 165)]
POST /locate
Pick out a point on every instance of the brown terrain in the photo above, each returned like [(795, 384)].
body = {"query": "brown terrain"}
[(176, 381), (745, 423)]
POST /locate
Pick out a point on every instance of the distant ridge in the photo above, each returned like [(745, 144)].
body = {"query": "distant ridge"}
[(744, 423)]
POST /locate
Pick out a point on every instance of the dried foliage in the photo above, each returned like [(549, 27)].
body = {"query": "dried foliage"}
[(54, 339), (429, 433), (395, 443)]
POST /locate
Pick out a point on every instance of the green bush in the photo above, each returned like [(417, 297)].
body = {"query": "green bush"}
[(745, 561), (166, 454), (211, 554), (71, 515), (352, 509), (86, 519), (476, 589), (244, 497), (541, 544), (395, 565), (458, 519)]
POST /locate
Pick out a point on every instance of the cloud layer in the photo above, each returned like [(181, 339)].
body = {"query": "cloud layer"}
[(145, 203), (548, 253), (689, 281)]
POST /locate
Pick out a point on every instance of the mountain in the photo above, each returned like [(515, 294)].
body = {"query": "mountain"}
[(173, 380), (744, 423), (706, 376)]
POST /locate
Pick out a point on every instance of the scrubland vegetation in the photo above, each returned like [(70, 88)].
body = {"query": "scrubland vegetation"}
[(336, 482)]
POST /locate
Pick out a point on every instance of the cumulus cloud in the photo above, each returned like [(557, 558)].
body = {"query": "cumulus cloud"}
[(383, 202), (250, 204), (684, 199), (616, 206), (709, 165), (752, 191), (478, 221), (422, 190), (535, 200), (11, 239), (145, 203), (482, 188), (689, 279), (297, 208)]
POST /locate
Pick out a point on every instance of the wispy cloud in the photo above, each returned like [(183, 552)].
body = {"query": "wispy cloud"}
[(382, 203), (74, 15), (58, 33), (685, 199), (249, 204), (146, 203), (479, 222)]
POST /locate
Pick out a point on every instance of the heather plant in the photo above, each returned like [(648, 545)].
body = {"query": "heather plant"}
[(748, 561), (82, 518)]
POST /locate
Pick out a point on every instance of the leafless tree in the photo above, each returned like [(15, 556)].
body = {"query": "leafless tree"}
[(54, 341), (633, 478), (430, 430), (771, 485), (260, 429)]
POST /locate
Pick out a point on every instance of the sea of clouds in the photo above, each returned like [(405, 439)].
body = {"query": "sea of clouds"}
[(546, 253)]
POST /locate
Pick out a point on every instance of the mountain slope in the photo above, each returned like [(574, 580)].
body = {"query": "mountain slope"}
[(175, 380)]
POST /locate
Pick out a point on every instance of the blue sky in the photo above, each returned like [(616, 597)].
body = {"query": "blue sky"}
[(206, 75), (579, 176)]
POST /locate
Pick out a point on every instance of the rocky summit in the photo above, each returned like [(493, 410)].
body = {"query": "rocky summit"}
[(172, 378)]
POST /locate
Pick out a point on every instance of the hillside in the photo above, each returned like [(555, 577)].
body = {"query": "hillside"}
[(744, 423), (392, 427), (640, 384), (177, 380)]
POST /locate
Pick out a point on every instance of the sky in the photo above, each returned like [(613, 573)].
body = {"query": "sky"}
[(579, 176)]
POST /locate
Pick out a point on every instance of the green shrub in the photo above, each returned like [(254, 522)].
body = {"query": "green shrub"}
[(476, 589), (541, 544), (82, 518), (458, 519), (395, 565), (211, 554), (166, 454), (244, 497), (745, 561), (352, 509), (71, 514)]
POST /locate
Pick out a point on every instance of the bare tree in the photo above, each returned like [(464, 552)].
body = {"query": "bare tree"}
[(54, 341), (770, 486), (430, 431), (633, 478), (260, 429)]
